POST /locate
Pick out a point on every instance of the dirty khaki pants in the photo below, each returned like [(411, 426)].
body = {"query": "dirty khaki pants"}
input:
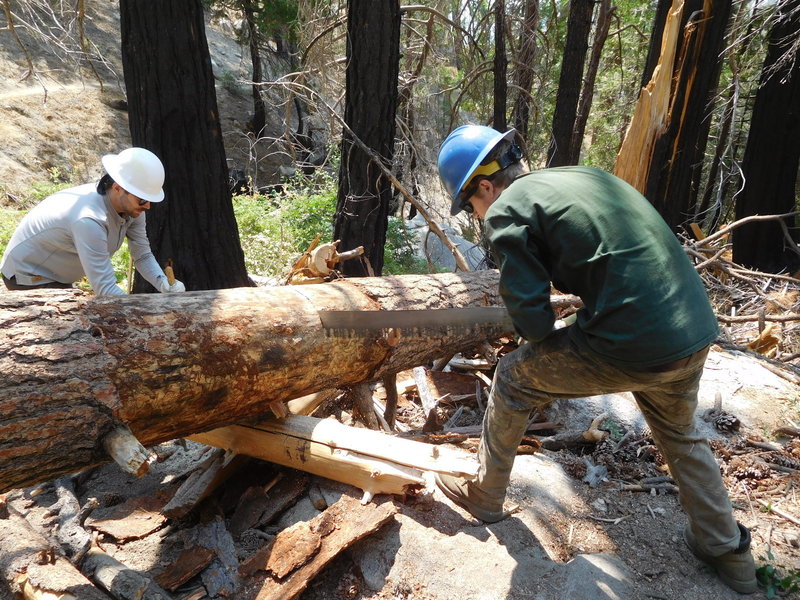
[(534, 375)]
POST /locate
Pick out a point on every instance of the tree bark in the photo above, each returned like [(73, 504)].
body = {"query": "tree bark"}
[(570, 79), (500, 68), (603, 23), (170, 365), (173, 112), (259, 106), (373, 63), (772, 154), (523, 73)]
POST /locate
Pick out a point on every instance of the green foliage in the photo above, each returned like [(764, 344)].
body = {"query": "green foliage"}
[(121, 261), (615, 431), (277, 18), (274, 230), (233, 85), (777, 580), (399, 256), (277, 14)]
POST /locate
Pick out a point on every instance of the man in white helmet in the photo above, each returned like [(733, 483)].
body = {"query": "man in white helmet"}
[(75, 232)]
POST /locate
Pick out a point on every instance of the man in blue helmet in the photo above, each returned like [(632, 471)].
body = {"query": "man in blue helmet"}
[(645, 326)]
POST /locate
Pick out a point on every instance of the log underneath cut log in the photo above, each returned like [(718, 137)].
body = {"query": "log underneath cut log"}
[(372, 461), (169, 365)]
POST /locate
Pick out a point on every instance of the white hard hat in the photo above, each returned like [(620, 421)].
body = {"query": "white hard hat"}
[(138, 171)]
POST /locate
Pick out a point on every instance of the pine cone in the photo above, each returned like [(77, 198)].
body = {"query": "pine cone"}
[(726, 422)]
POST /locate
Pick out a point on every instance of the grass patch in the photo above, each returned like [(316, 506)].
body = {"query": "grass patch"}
[(274, 230)]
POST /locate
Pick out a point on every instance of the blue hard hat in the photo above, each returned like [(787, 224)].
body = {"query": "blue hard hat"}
[(461, 154)]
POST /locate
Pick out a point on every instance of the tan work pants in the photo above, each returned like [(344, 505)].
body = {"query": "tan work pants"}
[(534, 375)]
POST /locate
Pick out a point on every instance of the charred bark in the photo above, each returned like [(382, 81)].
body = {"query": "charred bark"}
[(373, 62), (569, 83), (679, 151), (772, 155), (523, 74), (500, 69), (173, 112)]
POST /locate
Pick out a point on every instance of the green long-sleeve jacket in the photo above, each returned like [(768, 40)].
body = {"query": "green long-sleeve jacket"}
[(593, 235)]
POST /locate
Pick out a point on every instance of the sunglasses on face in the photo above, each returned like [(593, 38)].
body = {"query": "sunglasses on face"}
[(466, 205), (139, 200)]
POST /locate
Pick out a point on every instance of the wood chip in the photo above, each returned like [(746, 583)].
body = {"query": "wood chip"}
[(341, 525), (134, 519), (190, 562), (292, 549)]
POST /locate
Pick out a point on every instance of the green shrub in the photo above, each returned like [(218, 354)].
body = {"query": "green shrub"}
[(399, 254), (275, 230), (777, 580)]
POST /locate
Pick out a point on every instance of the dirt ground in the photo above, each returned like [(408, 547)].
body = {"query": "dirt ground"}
[(56, 125), (431, 549)]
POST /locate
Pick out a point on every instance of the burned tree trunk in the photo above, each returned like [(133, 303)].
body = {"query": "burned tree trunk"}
[(373, 62), (76, 367), (579, 25)]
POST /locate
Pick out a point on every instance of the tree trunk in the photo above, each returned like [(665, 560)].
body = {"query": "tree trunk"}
[(500, 69), (604, 13), (570, 80), (772, 154), (170, 365), (173, 112), (373, 62), (679, 151), (259, 106), (523, 74)]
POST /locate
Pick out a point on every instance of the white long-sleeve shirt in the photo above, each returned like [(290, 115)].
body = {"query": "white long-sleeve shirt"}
[(75, 232)]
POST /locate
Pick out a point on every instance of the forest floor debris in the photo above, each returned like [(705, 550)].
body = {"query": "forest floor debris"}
[(588, 508)]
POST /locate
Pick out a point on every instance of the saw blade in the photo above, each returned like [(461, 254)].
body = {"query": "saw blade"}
[(353, 323)]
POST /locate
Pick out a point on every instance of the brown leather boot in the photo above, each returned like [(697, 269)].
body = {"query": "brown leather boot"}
[(471, 497), (735, 568)]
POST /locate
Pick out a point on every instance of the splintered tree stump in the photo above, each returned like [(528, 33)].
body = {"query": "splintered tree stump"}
[(76, 367)]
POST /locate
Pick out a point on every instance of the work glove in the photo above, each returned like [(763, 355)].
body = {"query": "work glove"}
[(165, 288)]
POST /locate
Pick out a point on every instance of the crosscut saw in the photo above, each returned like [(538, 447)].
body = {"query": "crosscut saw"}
[(494, 320)]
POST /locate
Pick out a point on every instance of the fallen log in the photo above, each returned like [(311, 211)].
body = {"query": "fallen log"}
[(76, 366), (372, 461)]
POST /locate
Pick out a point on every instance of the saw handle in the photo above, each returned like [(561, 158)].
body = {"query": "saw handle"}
[(169, 272)]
